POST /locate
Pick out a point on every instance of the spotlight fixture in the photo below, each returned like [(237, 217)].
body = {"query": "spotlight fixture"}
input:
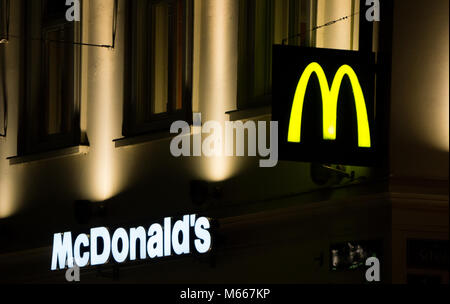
[(199, 192), (202, 191), (328, 175), (85, 211)]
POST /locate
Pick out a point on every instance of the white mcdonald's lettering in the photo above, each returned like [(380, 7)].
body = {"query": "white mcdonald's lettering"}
[(155, 242)]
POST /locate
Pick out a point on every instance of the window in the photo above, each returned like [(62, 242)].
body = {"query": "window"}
[(158, 65), (263, 23), (4, 11), (293, 21), (50, 116), (3, 97)]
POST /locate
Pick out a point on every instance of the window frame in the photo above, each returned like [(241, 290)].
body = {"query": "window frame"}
[(5, 7), (31, 120), (246, 49), (157, 122), (3, 36)]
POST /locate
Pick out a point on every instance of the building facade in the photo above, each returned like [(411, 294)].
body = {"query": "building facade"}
[(85, 117)]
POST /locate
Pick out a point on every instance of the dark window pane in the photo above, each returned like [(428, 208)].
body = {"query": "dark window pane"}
[(264, 23), (178, 56), (2, 20), (3, 96), (55, 9), (59, 75), (158, 55), (52, 105), (160, 60)]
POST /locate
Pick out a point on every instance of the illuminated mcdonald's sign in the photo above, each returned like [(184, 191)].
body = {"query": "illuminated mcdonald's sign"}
[(324, 101), (329, 104)]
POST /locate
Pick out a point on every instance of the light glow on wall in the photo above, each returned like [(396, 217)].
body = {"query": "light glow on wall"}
[(217, 77), (432, 92), (101, 103), (441, 141), (103, 140), (8, 206)]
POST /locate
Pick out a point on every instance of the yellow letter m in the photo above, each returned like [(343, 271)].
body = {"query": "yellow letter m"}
[(329, 104)]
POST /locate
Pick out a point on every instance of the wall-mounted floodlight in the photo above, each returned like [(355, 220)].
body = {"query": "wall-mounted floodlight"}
[(85, 211), (202, 191), (329, 175)]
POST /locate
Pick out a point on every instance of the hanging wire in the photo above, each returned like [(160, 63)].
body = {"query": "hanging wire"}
[(67, 42), (109, 46), (8, 36), (286, 40)]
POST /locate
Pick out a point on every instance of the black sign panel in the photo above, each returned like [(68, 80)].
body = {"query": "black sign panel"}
[(428, 254), (324, 102)]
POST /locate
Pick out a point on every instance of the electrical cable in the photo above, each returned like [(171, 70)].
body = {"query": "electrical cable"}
[(286, 40), (109, 46)]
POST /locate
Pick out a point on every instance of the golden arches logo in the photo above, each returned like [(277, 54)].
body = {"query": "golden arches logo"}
[(329, 104)]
